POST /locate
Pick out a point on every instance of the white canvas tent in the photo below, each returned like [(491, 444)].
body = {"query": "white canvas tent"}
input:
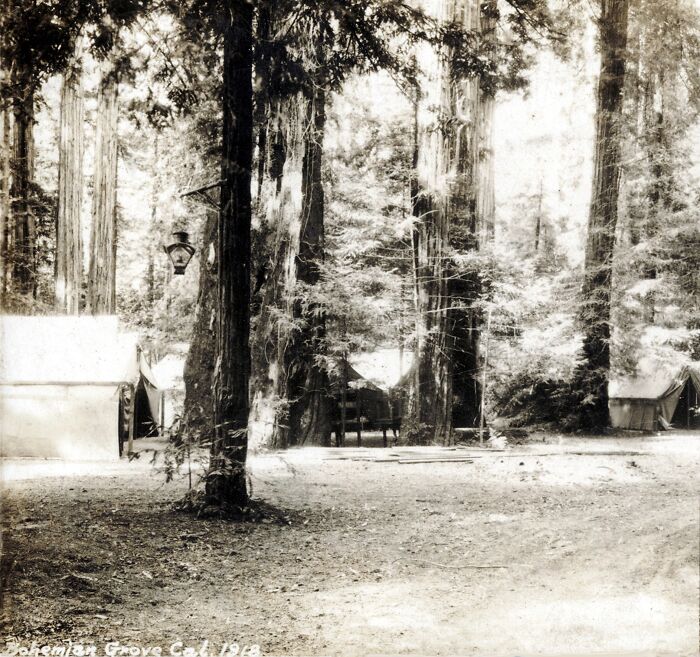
[(60, 387), (656, 399)]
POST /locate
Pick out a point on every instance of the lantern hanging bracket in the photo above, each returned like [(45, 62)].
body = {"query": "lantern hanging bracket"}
[(202, 191)]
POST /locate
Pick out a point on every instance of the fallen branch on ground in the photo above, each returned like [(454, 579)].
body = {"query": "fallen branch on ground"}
[(451, 566)]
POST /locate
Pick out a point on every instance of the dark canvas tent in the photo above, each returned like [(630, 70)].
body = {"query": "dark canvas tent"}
[(62, 387), (656, 400)]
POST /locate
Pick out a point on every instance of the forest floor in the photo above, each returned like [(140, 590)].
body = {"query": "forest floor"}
[(558, 547)]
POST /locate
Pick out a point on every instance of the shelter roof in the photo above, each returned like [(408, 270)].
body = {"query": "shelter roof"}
[(63, 349), (652, 381)]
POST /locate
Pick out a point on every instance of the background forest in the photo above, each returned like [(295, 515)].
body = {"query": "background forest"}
[(112, 110)]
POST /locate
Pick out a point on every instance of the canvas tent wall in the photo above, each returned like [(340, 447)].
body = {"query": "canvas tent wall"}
[(169, 372), (656, 399), (60, 382)]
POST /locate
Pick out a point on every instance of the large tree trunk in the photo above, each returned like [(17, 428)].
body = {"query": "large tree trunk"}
[(593, 373), (430, 399), (24, 267), (6, 224), (199, 401), (291, 400), (226, 483), (445, 387), (101, 289), (6, 232), (485, 160), (308, 385), (660, 187), (69, 243), (279, 216)]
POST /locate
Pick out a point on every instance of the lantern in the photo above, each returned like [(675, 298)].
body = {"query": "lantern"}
[(180, 252)]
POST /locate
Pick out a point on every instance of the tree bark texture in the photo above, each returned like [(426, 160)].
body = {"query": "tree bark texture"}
[(445, 385), (6, 220), (485, 162), (593, 373), (69, 243), (661, 186), (199, 401), (101, 285), (226, 482), (291, 400), (308, 384), (6, 232), (279, 218), (24, 225)]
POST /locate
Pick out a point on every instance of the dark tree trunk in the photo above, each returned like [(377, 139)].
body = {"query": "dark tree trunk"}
[(6, 223), (24, 268), (69, 242), (199, 402), (308, 385), (6, 231), (593, 373), (101, 285), (226, 482)]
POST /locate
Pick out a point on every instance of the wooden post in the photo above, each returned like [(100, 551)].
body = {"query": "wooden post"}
[(358, 411), (132, 420), (162, 413), (483, 379), (384, 434), (343, 400)]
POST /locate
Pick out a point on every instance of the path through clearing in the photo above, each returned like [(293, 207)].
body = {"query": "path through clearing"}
[(601, 554)]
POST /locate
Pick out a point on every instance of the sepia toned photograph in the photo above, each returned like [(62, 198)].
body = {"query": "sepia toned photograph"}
[(346, 328)]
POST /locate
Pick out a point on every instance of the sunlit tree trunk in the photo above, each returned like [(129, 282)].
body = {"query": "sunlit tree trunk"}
[(308, 385), (291, 400), (593, 373), (69, 246), (226, 483), (279, 215), (660, 187), (290, 403), (101, 285), (445, 389)]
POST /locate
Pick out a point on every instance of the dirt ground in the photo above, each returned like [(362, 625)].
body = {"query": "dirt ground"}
[(561, 547)]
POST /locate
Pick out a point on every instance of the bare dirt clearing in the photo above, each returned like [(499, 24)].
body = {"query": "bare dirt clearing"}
[(600, 549)]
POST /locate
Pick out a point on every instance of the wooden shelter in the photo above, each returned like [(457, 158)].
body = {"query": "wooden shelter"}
[(367, 406)]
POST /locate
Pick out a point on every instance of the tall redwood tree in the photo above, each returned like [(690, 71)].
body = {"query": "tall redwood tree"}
[(594, 371), (226, 484), (69, 243)]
